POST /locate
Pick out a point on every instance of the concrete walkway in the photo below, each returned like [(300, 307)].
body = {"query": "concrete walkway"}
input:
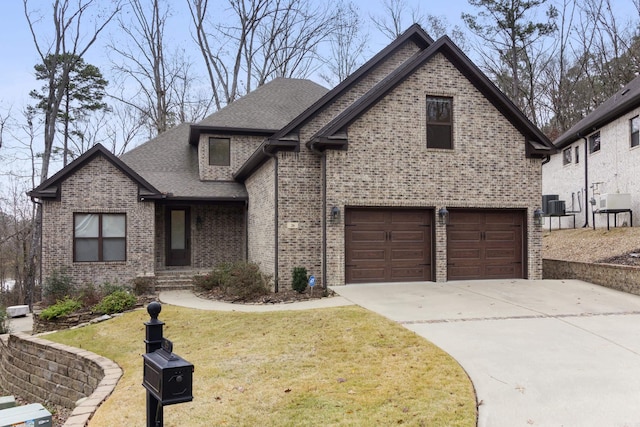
[(188, 299), (540, 353)]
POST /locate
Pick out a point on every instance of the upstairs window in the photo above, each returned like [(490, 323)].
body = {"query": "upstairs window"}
[(219, 151), (594, 142), (635, 131), (439, 122), (99, 237), (577, 154), (566, 156)]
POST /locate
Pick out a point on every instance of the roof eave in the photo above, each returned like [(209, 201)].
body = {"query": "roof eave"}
[(196, 130)]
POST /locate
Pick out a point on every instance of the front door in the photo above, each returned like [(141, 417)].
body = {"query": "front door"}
[(178, 236)]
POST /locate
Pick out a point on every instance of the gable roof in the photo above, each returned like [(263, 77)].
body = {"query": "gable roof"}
[(50, 188), (282, 139), (623, 101), (170, 163), (263, 111), (333, 134)]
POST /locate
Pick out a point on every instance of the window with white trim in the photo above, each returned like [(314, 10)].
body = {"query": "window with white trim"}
[(594, 142), (635, 131), (566, 156)]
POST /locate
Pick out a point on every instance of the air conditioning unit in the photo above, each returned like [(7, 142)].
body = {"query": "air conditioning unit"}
[(615, 201), (556, 207), (546, 198), (28, 415)]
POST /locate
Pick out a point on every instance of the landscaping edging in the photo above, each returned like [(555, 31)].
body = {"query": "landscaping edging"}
[(44, 371), (615, 276)]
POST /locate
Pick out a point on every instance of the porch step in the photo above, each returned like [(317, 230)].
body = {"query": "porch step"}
[(171, 280)]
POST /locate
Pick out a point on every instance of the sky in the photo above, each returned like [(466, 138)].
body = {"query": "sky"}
[(19, 55)]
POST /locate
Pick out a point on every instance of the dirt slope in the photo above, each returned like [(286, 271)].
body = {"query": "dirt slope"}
[(588, 245)]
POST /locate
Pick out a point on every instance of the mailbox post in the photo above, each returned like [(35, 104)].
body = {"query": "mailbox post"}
[(167, 377)]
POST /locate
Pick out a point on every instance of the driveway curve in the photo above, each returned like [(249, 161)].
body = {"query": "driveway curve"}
[(540, 353)]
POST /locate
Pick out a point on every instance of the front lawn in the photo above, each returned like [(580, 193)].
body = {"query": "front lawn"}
[(332, 367)]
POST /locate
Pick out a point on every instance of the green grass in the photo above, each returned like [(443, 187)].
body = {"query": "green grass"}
[(332, 367)]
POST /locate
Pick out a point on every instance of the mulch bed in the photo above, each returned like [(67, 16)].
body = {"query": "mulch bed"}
[(631, 258), (282, 297)]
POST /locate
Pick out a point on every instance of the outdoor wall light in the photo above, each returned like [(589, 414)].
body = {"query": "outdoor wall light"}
[(335, 212), (537, 217), (443, 216)]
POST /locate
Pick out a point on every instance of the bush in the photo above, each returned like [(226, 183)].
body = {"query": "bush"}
[(115, 302), (89, 295), (219, 277), (108, 288), (144, 285), (299, 281), (57, 287), (61, 308)]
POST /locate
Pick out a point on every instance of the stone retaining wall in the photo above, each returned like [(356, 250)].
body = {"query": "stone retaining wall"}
[(620, 277), (44, 371)]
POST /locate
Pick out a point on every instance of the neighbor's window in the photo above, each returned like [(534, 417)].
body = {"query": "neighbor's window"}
[(439, 122), (99, 237), (219, 151), (635, 131), (566, 156), (577, 154), (594, 142)]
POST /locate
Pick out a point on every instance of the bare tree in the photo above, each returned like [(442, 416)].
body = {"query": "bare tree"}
[(70, 40), (396, 17), (254, 41)]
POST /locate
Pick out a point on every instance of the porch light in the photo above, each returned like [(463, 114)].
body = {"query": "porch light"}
[(443, 216), (537, 217), (335, 212)]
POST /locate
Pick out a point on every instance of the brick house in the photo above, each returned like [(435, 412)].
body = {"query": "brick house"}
[(598, 156), (415, 168)]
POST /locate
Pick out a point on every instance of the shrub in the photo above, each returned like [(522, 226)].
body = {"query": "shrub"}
[(246, 281), (144, 285), (218, 277), (299, 281), (62, 307), (57, 286), (89, 295), (109, 288), (115, 302), (4, 323)]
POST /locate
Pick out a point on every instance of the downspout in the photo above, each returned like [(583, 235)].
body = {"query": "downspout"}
[(323, 166), (31, 288), (246, 230), (275, 213), (586, 183)]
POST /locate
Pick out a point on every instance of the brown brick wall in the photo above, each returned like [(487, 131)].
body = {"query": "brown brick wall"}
[(98, 187), (241, 148), (387, 164), (261, 230)]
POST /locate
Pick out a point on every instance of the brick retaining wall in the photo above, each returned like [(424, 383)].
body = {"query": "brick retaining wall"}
[(44, 371), (620, 277)]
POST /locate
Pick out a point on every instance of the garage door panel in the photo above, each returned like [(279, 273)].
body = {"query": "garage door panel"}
[(408, 236), (484, 244), (408, 274), (387, 244), (364, 255), (366, 236)]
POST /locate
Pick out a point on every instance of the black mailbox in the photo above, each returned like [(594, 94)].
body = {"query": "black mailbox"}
[(167, 376)]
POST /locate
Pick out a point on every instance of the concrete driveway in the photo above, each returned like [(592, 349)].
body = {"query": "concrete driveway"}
[(540, 353)]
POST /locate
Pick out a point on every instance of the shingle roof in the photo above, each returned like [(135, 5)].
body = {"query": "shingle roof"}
[(271, 106), (623, 101), (170, 164)]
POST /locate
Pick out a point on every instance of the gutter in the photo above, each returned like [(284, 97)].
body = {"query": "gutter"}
[(275, 213), (586, 182)]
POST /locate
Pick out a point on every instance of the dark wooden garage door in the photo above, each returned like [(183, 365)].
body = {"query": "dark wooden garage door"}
[(485, 244), (388, 245)]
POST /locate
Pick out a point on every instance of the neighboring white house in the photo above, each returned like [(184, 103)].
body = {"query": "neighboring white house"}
[(597, 165)]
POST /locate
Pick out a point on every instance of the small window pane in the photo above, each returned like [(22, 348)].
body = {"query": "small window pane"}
[(438, 110), (178, 230), (566, 156), (113, 225), (219, 151), (635, 131), (577, 154), (439, 136), (594, 142), (113, 250), (87, 250), (86, 225)]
